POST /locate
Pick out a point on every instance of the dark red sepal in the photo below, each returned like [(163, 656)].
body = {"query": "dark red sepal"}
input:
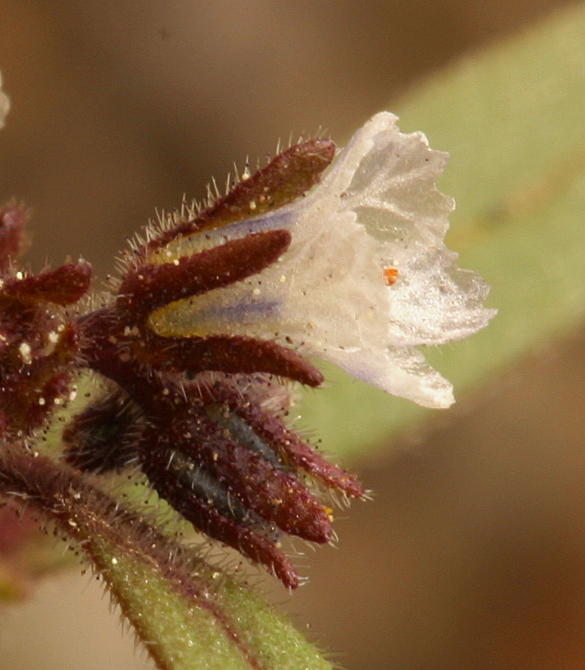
[(206, 518), (35, 379), (297, 452), (285, 179), (287, 443), (151, 286), (223, 353), (104, 437), (276, 496), (64, 285)]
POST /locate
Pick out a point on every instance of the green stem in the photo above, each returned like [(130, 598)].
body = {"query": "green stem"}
[(188, 614)]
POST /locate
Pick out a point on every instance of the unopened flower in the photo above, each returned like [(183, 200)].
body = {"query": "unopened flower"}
[(366, 279)]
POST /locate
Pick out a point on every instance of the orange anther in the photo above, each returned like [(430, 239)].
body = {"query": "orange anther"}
[(390, 275)]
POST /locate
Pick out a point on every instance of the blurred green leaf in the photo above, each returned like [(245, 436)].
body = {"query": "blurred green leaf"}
[(513, 119)]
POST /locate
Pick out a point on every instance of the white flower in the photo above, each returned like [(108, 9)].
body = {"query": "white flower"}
[(367, 277), (4, 104)]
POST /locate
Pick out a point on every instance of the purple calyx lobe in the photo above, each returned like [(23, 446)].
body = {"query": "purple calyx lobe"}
[(103, 437), (261, 496), (274, 495), (38, 341), (64, 285), (208, 519), (225, 353), (257, 469), (285, 179), (106, 342), (149, 287), (287, 443)]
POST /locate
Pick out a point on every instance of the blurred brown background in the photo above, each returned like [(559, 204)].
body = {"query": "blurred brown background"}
[(472, 554)]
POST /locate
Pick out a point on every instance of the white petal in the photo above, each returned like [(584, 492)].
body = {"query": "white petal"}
[(401, 371), (377, 207), (434, 301)]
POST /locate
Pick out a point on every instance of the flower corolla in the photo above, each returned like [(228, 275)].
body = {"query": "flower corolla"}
[(367, 277)]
